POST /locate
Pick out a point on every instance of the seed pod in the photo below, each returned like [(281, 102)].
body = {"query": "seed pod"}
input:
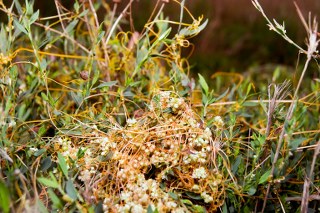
[(84, 75)]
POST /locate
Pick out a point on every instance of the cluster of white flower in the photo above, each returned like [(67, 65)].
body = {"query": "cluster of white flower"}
[(105, 145), (161, 158), (3, 119), (139, 194), (172, 141), (195, 157), (175, 104), (131, 121), (207, 198), (168, 100), (199, 173), (86, 174), (65, 147), (218, 122)]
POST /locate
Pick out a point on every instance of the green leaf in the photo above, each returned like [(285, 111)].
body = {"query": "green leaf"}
[(39, 152), (63, 165), (55, 200), (76, 98), (223, 95), (44, 97), (252, 190), (106, 84), (83, 13), (71, 190), (224, 208), (18, 6), (34, 17), (41, 206), (4, 198), (49, 182), (182, 3), (42, 130), (187, 202), (264, 177), (164, 35), (20, 27), (199, 209), (70, 27), (45, 164), (187, 31), (203, 84), (43, 64), (76, 7), (194, 196), (295, 143), (173, 195), (248, 89), (149, 209)]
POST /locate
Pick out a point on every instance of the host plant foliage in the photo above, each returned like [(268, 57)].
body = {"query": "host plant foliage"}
[(94, 118)]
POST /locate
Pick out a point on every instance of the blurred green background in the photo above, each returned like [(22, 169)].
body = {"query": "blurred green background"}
[(236, 37)]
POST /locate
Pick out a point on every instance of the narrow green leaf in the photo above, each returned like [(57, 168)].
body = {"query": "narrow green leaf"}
[(181, 13), (76, 7), (224, 208), (55, 199), (106, 84), (149, 209), (43, 64), (223, 95), (71, 26), (203, 84), (18, 6), (4, 197), (41, 207), (45, 164), (48, 182), (199, 209), (164, 35), (264, 177), (252, 190), (71, 190), (34, 17), (173, 195), (83, 13), (20, 27), (42, 130), (63, 165), (187, 202), (76, 98), (194, 196), (249, 89), (39, 152), (295, 143), (187, 31), (44, 97)]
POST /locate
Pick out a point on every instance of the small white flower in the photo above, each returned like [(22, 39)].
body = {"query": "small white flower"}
[(126, 196), (195, 187), (32, 149), (218, 121), (171, 204), (179, 210), (12, 123), (199, 173), (207, 198), (131, 121), (137, 208)]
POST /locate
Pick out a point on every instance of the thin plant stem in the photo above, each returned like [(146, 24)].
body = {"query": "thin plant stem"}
[(288, 118)]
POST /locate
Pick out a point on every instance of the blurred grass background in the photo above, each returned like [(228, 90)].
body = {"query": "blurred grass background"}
[(236, 37)]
